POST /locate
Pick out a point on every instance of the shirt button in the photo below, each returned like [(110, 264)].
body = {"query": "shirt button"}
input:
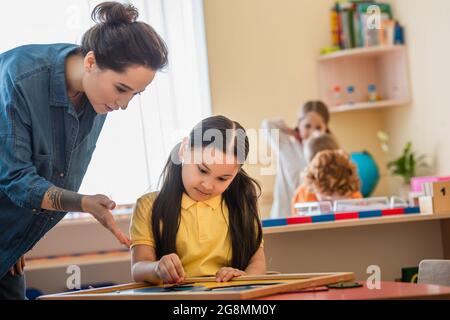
[(61, 175)]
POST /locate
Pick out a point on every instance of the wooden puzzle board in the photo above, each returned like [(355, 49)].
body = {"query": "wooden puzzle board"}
[(205, 288)]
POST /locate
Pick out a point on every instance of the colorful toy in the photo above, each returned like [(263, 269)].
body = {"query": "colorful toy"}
[(315, 212), (350, 94), (437, 198), (372, 89), (337, 95), (418, 182)]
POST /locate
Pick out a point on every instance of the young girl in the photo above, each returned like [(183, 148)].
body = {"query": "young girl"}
[(330, 176), (204, 221), (313, 116)]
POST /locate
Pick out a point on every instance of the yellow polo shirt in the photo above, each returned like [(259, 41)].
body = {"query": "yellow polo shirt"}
[(203, 242)]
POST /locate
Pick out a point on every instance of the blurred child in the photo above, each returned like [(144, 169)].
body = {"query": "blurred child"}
[(204, 221), (330, 176), (288, 144), (319, 142)]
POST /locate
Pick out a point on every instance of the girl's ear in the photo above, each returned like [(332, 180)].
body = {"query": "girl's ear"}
[(184, 145)]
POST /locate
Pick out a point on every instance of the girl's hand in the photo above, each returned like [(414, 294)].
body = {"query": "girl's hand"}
[(170, 269), (285, 128), (294, 132), (18, 268), (226, 274), (100, 206)]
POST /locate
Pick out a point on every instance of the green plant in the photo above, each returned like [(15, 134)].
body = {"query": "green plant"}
[(407, 163)]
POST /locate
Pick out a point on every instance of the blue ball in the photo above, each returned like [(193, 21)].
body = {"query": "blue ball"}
[(368, 172)]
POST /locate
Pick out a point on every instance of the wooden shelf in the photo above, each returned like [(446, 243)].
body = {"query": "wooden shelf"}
[(355, 223), (81, 260), (368, 105), (361, 52), (385, 67)]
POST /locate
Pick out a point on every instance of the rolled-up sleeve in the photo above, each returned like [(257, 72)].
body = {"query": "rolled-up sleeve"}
[(272, 130), (19, 178), (140, 227)]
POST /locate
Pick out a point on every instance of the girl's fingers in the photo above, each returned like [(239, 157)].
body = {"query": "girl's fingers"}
[(173, 271), (239, 273), (178, 266), (165, 274), (221, 274), (232, 274), (226, 274)]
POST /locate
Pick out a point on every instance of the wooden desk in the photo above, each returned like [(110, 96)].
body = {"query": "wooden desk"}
[(390, 242), (389, 291)]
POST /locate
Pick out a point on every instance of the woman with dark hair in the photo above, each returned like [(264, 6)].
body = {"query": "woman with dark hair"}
[(53, 102), (204, 221)]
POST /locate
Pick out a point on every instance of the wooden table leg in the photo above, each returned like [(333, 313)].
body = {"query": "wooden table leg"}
[(445, 231)]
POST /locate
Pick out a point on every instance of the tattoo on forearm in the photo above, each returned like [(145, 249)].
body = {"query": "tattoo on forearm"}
[(64, 200)]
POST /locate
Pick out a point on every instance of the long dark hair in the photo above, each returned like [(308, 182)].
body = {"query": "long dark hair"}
[(240, 197), (119, 41)]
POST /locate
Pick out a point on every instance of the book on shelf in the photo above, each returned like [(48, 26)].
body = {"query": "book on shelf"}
[(354, 25)]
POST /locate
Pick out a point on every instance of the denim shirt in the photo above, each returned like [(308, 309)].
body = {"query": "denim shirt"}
[(43, 143)]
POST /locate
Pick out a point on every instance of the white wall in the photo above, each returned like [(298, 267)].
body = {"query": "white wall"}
[(426, 122)]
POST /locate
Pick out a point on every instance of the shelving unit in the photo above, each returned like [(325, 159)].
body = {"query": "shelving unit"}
[(368, 105), (79, 260), (386, 67)]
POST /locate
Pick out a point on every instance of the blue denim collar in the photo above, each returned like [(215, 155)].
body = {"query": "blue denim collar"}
[(58, 89)]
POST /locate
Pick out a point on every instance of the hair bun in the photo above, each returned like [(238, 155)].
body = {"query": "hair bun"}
[(114, 13)]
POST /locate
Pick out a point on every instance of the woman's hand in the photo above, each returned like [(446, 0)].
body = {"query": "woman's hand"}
[(100, 206), (226, 274), (170, 269), (18, 268)]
